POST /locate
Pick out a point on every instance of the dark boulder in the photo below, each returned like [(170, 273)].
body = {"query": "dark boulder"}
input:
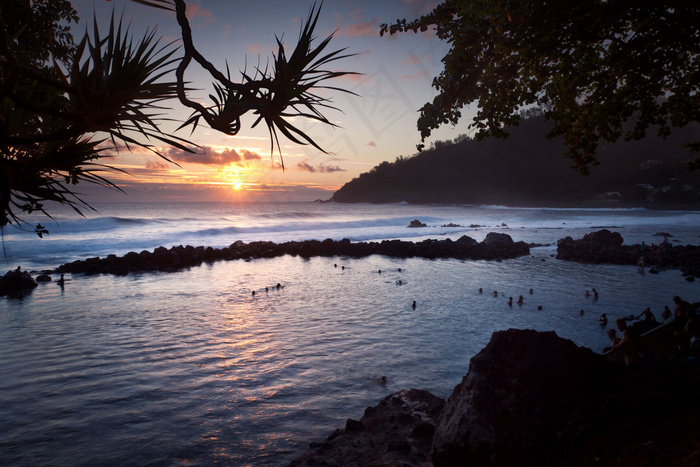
[(16, 283), (602, 246), (416, 223), (518, 395), (604, 238), (397, 431)]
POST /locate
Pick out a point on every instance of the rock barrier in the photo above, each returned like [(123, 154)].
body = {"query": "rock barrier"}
[(607, 247), (494, 246)]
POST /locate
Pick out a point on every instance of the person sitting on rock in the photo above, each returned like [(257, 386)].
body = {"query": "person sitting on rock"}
[(666, 314), (629, 344), (612, 335), (648, 315)]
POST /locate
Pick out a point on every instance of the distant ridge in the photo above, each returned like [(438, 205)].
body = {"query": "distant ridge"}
[(528, 170)]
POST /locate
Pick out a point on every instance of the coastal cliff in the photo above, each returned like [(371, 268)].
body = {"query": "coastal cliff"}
[(532, 398)]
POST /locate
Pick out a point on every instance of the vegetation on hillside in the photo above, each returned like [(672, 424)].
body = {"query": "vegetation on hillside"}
[(527, 170)]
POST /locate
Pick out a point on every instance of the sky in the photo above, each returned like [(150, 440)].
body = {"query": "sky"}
[(378, 124)]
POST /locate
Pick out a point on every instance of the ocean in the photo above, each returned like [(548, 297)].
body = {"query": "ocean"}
[(192, 368)]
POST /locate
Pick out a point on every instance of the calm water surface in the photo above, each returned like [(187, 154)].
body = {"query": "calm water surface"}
[(191, 368)]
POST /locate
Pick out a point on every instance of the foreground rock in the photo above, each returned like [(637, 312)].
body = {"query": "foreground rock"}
[(605, 246), (16, 283), (519, 393), (397, 431), (494, 246), (532, 398)]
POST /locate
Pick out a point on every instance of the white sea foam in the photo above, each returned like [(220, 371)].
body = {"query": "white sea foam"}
[(120, 228)]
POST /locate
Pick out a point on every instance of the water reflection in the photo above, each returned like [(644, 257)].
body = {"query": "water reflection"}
[(189, 367)]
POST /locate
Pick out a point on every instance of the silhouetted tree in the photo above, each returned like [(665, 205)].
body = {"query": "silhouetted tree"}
[(55, 95), (602, 69)]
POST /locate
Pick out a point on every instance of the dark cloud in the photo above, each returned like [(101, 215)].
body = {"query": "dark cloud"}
[(157, 165), (304, 166)]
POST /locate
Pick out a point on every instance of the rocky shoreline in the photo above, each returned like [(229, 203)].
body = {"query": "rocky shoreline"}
[(602, 246), (531, 398)]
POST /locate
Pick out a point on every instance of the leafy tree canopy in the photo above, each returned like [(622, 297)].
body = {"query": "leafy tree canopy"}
[(56, 95), (601, 69)]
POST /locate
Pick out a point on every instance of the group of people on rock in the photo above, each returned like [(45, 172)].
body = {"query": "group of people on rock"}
[(686, 330), (654, 252)]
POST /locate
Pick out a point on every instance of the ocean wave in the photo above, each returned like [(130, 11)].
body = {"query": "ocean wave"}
[(564, 209), (290, 215)]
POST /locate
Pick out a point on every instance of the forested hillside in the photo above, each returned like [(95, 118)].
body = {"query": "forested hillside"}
[(528, 170)]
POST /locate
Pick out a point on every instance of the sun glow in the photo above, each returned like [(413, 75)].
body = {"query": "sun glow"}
[(237, 185)]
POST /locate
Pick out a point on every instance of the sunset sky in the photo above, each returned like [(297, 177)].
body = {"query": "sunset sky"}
[(377, 125)]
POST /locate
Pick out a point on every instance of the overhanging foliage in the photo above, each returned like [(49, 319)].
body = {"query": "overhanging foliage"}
[(601, 69)]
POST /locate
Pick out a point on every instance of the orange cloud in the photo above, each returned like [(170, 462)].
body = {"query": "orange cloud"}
[(421, 75), (210, 157), (195, 9), (361, 29)]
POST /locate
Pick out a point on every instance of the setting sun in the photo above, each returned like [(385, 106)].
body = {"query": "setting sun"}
[(237, 186)]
